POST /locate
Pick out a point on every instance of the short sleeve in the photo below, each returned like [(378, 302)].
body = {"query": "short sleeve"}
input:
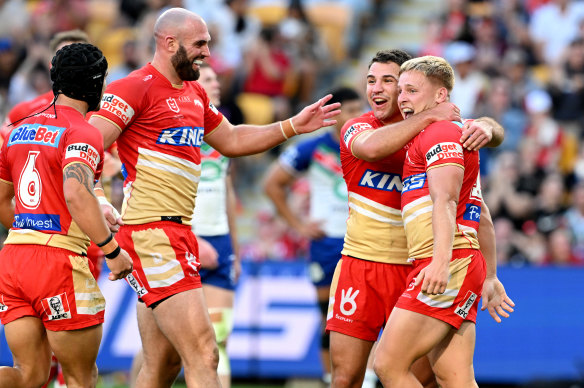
[(121, 101), (5, 174), (440, 145), (351, 130), (84, 145)]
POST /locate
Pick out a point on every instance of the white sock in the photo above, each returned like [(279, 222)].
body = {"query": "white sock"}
[(370, 380)]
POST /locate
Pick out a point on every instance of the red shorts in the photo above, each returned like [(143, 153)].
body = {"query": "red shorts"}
[(460, 301), (96, 258), (363, 294), (52, 284), (165, 256)]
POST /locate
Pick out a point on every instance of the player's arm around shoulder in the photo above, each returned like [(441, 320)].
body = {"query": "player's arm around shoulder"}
[(85, 210), (482, 132)]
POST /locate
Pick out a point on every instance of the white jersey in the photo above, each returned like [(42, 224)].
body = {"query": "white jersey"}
[(210, 216)]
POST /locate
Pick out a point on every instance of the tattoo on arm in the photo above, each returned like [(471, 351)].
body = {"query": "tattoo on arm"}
[(81, 173)]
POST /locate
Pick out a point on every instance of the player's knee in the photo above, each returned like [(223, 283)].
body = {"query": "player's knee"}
[(455, 377)]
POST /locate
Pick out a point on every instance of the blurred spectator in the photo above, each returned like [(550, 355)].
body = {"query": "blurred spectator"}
[(470, 82), (508, 193), (514, 19), (567, 87), (32, 77), (515, 68), (574, 220), (306, 50), (553, 26), (548, 136), (559, 249), (52, 16), (489, 45), (130, 61), (550, 207), (435, 42), (267, 68), (14, 20), (455, 21)]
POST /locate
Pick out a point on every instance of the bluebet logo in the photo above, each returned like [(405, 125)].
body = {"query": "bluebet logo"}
[(36, 134), (381, 181), (50, 222), (182, 136), (414, 182)]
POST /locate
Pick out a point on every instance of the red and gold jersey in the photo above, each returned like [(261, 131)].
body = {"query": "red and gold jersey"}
[(23, 109), (162, 128), (374, 228), (439, 145), (32, 159)]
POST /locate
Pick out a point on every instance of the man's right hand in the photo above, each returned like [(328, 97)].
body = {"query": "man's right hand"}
[(120, 266), (112, 217)]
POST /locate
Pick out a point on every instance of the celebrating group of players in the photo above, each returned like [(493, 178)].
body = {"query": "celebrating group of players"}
[(410, 263)]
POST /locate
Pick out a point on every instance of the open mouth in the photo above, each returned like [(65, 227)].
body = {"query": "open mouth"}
[(198, 62), (379, 101), (407, 112)]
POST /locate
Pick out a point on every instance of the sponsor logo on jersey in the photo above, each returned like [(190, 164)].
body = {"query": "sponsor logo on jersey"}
[(147, 78), (213, 109), (464, 307), (472, 213), (441, 151), (41, 222), (36, 134), (198, 103), (172, 104), (381, 181), (57, 307), (83, 151), (354, 130), (182, 136), (118, 107), (3, 307), (136, 285), (186, 99), (414, 182)]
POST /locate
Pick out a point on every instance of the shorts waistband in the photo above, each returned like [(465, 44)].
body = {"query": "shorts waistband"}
[(175, 219)]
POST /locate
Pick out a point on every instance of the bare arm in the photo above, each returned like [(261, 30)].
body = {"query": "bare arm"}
[(382, 142), (444, 183), (495, 299), (6, 204), (245, 139), (109, 130), (86, 212), (482, 132), (276, 186)]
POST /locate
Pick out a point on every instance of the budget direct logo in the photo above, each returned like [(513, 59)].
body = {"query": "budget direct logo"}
[(118, 107), (182, 136), (443, 151), (354, 130), (83, 151), (36, 134)]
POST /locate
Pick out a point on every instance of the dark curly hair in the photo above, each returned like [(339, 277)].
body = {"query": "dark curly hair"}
[(387, 56), (78, 71)]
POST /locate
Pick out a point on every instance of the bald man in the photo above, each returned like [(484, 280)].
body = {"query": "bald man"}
[(159, 117)]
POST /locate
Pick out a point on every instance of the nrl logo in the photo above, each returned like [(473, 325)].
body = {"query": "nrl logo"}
[(172, 104)]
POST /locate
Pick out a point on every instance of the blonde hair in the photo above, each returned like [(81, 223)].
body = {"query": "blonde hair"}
[(437, 69)]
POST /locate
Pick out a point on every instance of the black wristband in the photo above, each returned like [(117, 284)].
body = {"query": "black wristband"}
[(113, 254), (106, 241)]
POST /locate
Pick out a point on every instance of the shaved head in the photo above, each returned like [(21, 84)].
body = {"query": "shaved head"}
[(174, 21)]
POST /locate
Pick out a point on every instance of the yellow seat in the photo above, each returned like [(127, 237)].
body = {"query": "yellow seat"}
[(111, 44), (332, 20), (257, 109), (269, 14)]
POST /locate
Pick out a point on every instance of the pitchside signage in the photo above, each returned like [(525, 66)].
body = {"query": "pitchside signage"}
[(276, 330)]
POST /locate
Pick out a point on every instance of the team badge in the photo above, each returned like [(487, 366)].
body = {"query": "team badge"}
[(172, 104)]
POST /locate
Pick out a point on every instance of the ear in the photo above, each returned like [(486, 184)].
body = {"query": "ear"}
[(172, 43), (442, 95)]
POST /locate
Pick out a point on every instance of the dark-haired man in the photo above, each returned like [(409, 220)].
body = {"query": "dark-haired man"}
[(49, 300)]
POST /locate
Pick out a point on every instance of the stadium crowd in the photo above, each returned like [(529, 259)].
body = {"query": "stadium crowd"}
[(274, 56)]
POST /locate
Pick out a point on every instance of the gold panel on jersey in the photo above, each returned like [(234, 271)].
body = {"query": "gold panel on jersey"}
[(88, 298), (457, 270), (164, 185), (159, 261), (74, 243)]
